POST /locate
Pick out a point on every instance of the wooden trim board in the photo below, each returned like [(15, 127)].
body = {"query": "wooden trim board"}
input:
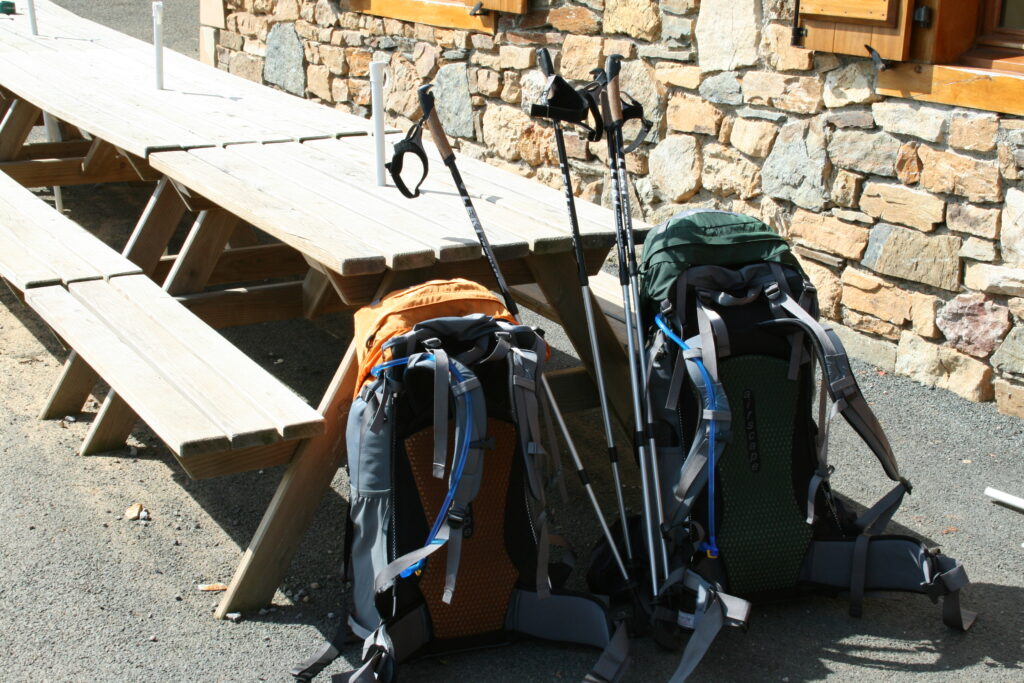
[(956, 85)]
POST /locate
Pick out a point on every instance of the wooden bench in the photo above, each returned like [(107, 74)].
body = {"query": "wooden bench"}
[(202, 396), (40, 247)]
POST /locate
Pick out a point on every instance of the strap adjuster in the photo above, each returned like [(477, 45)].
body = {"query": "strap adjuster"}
[(772, 291)]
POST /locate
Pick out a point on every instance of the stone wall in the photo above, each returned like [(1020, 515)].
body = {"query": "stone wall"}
[(909, 217)]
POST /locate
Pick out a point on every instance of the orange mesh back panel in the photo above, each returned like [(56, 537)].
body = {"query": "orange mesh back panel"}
[(486, 574), (398, 312)]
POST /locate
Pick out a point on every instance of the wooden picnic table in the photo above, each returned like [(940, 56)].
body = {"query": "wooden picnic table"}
[(230, 150), (362, 241)]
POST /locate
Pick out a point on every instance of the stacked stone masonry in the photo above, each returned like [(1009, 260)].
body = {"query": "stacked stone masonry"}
[(909, 217)]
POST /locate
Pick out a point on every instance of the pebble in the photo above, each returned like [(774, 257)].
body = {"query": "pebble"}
[(70, 418), (234, 617), (152, 639), (264, 611), (314, 586)]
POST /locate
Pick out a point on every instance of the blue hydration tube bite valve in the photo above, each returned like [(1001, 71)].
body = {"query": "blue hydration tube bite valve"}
[(711, 546), (459, 465)]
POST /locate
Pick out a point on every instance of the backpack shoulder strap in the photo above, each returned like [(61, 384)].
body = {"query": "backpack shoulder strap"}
[(838, 376)]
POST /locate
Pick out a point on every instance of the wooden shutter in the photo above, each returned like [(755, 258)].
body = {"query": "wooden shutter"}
[(509, 6), (846, 35), (855, 11)]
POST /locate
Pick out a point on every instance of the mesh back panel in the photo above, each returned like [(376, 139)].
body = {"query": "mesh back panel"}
[(486, 574), (762, 535)]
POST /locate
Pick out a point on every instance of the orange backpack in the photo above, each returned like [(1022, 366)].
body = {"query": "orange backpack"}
[(399, 311)]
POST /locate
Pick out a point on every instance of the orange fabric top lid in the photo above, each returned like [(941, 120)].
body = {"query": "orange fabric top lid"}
[(399, 311)]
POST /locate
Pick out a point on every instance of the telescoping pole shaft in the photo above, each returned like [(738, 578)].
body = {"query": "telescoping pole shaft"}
[(632, 351), (433, 124), (547, 67), (613, 67)]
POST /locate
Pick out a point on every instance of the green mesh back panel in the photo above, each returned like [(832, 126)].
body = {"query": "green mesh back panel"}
[(762, 534)]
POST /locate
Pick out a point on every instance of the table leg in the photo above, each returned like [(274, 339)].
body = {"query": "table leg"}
[(295, 502), (18, 122), (190, 273), (307, 479), (567, 301)]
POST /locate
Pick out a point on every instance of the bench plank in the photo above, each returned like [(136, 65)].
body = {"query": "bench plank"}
[(291, 415), (185, 429), (66, 248), (192, 368)]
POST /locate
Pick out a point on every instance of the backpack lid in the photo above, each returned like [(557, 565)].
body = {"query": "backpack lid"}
[(699, 237), (400, 311)]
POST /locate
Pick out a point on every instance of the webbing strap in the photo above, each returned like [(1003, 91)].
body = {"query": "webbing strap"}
[(721, 346), (452, 566), (413, 142), (442, 378), (614, 660), (822, 473), (386, 576), (872, 522), (326, 653), (707, 342), (839, 376), (714, 609)]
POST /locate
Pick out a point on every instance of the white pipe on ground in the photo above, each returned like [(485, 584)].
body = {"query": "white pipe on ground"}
[(377, 102), (1016, 502), (158, 41)]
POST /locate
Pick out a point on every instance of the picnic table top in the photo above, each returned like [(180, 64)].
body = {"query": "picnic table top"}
[(321, 198), (103, 82)]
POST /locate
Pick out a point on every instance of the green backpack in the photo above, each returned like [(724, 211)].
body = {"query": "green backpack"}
[(748, 512)]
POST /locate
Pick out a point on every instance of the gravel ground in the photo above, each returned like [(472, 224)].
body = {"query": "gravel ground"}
[(88, 595)]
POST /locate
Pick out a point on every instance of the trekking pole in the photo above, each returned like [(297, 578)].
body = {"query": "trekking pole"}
[(433, 123), (616, 152), (632, 353), (584, 479), (544, 59)]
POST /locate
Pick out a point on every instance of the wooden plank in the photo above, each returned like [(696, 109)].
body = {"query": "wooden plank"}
[(205, 242), (71, 389), (211, 13), (155, 227), (158, 402), (111, 427), (404, 223), (349, 224), (54, 150), (510, 233), (193, 369), (244, 235), (63, 245), (212, 465), (856, 11), (304, 484), (208, 45), (251, 305), (893, 42), (47, 172), (446, 14), (958, 86), (316, 290), (17, 123), (266, 211), (289, 412), (247, 264), (953, 30), (21, 266), (100, 157), (507, 6)]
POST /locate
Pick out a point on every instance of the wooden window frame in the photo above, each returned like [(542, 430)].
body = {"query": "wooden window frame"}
[(442, 13), (992, 34)]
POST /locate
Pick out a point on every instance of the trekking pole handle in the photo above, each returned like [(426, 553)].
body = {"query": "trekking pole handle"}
[(547, 67), (612, 67), (433, 123)]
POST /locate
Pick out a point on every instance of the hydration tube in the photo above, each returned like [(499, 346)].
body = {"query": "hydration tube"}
[(711, 547), (459, 465)]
